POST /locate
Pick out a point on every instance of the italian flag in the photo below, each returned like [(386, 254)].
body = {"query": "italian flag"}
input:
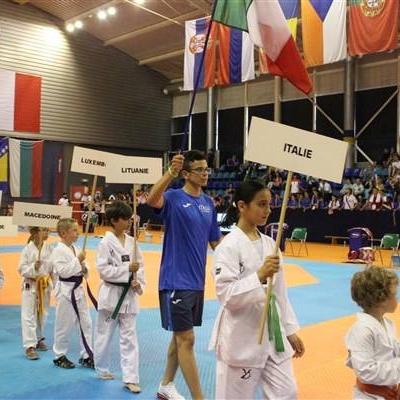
[(20, 102), (26, 168), (268, 29), (373, 26)]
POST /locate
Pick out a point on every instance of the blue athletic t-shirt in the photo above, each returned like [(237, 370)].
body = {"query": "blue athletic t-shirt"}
[(190, 223)]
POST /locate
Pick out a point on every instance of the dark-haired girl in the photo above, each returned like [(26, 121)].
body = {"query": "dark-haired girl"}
[(242, 264)]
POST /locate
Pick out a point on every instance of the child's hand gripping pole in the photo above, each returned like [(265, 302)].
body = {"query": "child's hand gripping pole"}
[(264, 315)]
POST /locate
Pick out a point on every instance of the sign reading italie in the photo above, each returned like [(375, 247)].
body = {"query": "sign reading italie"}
[(7, 228), (88, 161), (34, 214), (140, 170), (296, 150)]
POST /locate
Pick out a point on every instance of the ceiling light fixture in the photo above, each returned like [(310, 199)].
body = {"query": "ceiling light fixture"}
[(102, 15), (78, 24), (70, 28), (139, 1), (111, 11)]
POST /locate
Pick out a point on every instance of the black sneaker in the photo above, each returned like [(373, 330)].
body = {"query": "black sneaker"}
[(63, 362), (87, 362)]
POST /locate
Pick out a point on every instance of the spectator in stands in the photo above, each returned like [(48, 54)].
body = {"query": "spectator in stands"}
[(367, 173), (304, 201), (295, 185), (347, 185), (276, 184), (293, 203), (375, 200), (358, 187), (387, 203), (360, 203), (394, 166), (63, 200), (276, 201), (349, 200), (325, 189), (333, 205), (316, 200)]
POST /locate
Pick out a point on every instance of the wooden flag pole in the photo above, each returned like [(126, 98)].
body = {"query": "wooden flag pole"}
[(89, 217), (134, 223), (264, 315)]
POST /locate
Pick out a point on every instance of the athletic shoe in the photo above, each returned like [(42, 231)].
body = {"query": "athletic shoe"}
[(41, 346), (169, 392), (106, 376), (31, 354), (63, 362), (133, 387), (86, 362)]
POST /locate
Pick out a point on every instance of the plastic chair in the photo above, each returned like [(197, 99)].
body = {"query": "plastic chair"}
[(389, 241), (298, 235)]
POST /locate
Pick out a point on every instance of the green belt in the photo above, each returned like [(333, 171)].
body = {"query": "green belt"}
[(121, 299), (274, 326)]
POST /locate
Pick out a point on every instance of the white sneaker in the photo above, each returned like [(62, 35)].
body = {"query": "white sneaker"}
[(169, 392)]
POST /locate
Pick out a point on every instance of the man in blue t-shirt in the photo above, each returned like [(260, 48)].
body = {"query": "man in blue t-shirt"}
[(190, 222)]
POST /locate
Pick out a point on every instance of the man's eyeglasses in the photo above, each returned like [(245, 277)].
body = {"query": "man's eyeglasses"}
[(201, 171)]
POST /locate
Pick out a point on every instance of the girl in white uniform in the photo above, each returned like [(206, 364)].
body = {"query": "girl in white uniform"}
[(121, 270), (36, 271), (373, 348), (242, 264)]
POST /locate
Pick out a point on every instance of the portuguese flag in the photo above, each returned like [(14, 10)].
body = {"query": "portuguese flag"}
[(373, 26)]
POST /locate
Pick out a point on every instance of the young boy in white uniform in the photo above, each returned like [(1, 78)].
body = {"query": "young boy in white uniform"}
[(69, 265), (36, 270), (120, 265), (373, 348)]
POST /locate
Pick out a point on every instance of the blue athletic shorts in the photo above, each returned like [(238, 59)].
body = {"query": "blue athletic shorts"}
[(181, 310)]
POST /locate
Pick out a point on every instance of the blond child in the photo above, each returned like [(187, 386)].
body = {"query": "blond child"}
[(72, 308), (35, 269), (373, 348)]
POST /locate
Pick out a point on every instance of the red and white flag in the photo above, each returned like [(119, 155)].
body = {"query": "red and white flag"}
[(20, 101)]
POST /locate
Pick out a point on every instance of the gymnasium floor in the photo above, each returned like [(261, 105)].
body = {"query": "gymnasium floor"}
[(318, 288)]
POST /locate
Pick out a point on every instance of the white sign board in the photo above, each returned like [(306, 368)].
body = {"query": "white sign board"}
[(126, 169), (88, 161), (293, 149), (34, 214), (7, 228)]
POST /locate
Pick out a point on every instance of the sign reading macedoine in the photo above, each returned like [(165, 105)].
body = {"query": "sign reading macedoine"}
[(91, 162), (138, 170), (7, 228), (296, 150), (35, 214)]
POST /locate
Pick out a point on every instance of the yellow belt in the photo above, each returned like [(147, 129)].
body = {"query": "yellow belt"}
[(42, 283)]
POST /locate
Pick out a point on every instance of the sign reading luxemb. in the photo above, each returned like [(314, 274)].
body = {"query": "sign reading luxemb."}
[(141, 170), (293, 149), (91, 162), (7, 228), (34, 214)]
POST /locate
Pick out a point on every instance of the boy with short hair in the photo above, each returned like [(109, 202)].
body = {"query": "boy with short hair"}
[(120, 265), (72, 308)]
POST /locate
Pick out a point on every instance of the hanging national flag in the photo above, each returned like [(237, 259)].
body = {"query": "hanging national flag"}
[(4, 165), (236, 56), (266, 24), (195, 38), (26, 168), (20, 102), (373, 26), (290, 10), (324, 31)]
